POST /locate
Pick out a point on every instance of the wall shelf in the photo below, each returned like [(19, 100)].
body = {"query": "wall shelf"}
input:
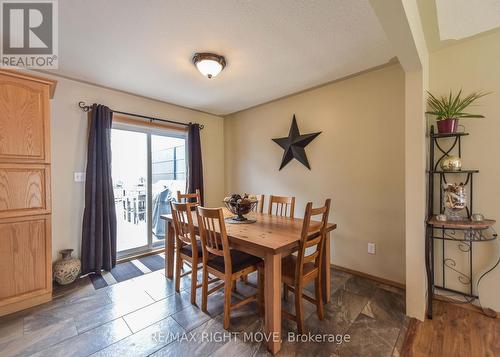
[(447, 135)]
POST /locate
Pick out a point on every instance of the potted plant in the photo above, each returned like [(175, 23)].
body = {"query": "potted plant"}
[(448, 109)]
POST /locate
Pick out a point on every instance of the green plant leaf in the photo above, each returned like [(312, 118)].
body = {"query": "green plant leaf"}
[(453, 106)]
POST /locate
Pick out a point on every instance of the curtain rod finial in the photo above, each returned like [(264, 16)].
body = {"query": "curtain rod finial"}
[(85, 108)]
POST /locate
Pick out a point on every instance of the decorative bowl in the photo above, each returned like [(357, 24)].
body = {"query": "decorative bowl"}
[(451, 163), (240, 206)]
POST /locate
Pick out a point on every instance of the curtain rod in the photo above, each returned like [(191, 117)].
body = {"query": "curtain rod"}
[(88, 108)]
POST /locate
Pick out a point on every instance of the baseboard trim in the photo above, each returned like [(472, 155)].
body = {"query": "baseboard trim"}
[(25, 303), (369, 276)]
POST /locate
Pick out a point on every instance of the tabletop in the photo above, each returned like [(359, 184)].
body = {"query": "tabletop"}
[(269, 233)]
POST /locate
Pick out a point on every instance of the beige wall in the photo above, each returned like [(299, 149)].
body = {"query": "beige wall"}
[(69, 131), (358, 161), (474, 65), (402, 25)]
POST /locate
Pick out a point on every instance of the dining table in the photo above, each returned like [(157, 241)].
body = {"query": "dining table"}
[(271, 238)]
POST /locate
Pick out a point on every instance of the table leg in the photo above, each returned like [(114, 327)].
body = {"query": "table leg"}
[(272, 298), (169, 251), (325, 275)]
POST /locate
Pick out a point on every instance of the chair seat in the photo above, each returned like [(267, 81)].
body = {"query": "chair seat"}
[(288, 265), (239, 261), (187, 249)]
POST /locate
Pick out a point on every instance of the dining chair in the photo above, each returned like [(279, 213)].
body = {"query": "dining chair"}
[(187, 197), (299, 270), (259, 208), (188, 247), (282, 205), (221, 261)]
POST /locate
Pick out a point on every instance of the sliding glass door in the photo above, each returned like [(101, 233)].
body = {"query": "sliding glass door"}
[(148, 168)]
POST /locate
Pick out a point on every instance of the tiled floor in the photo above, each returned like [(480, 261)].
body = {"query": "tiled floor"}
[(144, 316)]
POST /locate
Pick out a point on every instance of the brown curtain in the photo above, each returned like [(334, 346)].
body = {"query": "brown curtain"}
[(99, 218), (195, 165)]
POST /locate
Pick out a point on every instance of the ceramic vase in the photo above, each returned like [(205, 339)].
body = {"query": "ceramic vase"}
[(66, 269)]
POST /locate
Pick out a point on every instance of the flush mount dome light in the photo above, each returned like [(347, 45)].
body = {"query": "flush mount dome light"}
[(209, 64)]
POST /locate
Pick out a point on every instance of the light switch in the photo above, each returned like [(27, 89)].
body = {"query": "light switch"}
[(371, 248), (79, 176)]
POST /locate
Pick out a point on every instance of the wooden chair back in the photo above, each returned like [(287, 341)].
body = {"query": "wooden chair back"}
[(282, 205), (259, 208), (312, 237), (213, 235), (188, 197), (183, 225)]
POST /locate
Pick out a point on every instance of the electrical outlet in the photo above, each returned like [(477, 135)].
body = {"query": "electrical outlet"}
[(79, 176), (371, 248)]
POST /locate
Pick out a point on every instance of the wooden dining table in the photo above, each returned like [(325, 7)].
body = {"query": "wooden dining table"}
[(270, 238)]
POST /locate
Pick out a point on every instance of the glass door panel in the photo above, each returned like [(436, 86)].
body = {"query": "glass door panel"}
[(168, 175), (129, 168)]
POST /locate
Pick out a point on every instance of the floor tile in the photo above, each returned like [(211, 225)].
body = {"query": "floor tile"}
[(242, 317), (370, 337), (80, 287), (156, 285), (185, 284), (215, 301), (338, 279), (386, 306), (190, 317), (361, 286), (155, 312), (90, 341), (307, 307), (40, 339), (207, 339), (123, 290), (76, 306), (144, 316), (11, 327), (109, 312), (340, 313), (146, 341)]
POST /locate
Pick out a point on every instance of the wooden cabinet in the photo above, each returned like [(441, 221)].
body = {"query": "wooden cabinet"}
[(25, 220)]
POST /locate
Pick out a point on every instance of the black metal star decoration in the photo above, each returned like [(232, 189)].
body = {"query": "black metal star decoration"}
[(294, 145)]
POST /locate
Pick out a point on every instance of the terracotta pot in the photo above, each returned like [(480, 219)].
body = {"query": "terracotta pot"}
[(447, 126)]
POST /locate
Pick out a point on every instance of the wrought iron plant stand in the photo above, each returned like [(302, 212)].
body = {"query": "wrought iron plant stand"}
[(464, 232)]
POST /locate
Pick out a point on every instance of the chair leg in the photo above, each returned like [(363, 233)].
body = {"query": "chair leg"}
[(285, 292), (204, 289), (319, 297), (194, 280), (299, 312), (227, 303), (233, 286), (178, 266)]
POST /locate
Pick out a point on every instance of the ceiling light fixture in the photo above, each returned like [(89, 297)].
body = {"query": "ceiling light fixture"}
[(209, 64)]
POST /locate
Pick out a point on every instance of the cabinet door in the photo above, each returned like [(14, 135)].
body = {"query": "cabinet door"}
[(24, 189), (25, 250), (24, 125)]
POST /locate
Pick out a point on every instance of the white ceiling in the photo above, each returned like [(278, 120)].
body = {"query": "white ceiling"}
[(273, 47), (459, 19)]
